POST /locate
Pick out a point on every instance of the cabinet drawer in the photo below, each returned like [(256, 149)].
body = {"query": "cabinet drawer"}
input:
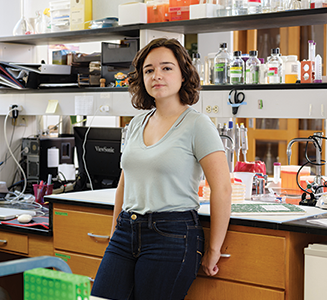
[(81, 232), (81, 264), (14, 242), (254, 258), (216, 289)]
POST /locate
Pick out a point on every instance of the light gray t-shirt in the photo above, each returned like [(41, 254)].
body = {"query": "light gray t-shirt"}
[(165, 176)]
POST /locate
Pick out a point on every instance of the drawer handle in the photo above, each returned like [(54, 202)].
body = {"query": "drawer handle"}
[(91, 279), (98, 236), (225, 255), (3, 242)]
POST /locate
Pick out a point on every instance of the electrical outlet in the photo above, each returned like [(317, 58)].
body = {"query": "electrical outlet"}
[(104, 108), (19, 121)]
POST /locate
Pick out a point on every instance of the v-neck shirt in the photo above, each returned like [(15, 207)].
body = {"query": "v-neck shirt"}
[(165, 176)]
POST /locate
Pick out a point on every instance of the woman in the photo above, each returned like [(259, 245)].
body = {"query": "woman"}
[(157, 241)]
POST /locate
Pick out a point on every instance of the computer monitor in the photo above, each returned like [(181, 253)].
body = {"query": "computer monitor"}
[(102, 157)]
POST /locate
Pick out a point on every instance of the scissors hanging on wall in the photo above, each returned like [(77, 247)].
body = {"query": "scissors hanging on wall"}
[(236, 100)]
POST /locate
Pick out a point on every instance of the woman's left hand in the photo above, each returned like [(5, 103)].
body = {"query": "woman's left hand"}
[(209, 262)]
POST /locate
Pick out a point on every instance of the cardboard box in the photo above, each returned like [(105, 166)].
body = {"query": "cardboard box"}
[(132, 13), (80, 14)]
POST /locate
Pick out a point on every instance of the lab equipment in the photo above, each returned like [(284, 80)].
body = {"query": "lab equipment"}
[(42, 157), (209, 68), (266, 7), (98, 152), (224, 8), (318, 184), (41, 283), (236, 101), (237, 69), (244, 140), (196, 61), (254, 7), (222, 61), (318, 69), (277, 168), (276, 5), (237, 142), (23, 26), (291, 69), (274, 65), (252, 68), (229, 151), (247, 179), (239, 7), (312, 53)]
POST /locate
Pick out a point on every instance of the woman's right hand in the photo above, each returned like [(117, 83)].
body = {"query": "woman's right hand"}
[(209, 262)]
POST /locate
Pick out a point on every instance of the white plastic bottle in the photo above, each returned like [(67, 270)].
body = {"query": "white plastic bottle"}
[(222, 60), (291, 69), (254, 7), (237, 69), (274, 65), (252, 68)]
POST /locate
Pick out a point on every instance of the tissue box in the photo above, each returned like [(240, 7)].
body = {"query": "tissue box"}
[(132, 13), (199, 11)]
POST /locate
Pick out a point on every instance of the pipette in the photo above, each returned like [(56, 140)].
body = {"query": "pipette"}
[(237, 142), (244, 140)]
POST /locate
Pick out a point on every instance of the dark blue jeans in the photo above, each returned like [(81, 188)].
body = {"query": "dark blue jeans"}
[(151, 257)]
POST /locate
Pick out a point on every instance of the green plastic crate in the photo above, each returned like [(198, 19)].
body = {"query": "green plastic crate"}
[(45, 284)]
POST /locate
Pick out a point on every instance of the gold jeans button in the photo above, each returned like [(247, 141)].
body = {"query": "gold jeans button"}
[(133, 217)]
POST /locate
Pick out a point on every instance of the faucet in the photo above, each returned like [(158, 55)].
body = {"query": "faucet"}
[(229, 151), (317, 142)]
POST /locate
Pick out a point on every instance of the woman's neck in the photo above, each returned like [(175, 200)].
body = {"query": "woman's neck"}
[(169, 109)]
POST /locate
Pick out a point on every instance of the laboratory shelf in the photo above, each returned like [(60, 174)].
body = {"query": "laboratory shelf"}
[(227, 87), (206, 25)]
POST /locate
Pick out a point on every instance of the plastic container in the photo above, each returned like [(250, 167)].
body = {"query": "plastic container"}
[(60, 15), (237, 69), (291, 69), (288, 178), (247, 179), (252, 68), (157, 11), (41, 190), (209, 67), (222, 61), (277, 168)]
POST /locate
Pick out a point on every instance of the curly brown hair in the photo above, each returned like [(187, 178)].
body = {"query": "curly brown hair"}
[(189, 91)]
